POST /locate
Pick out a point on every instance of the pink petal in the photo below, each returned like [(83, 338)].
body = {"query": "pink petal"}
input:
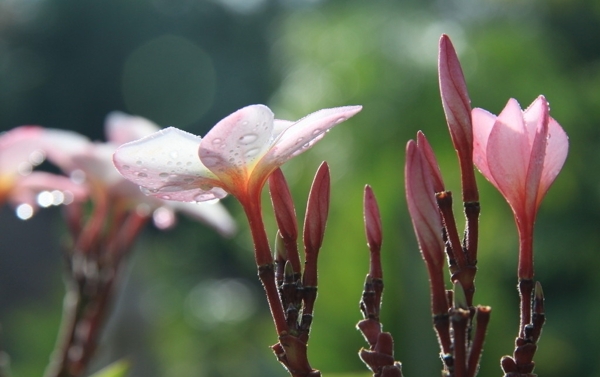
[(508, 154), (166, 164), (303, 134), (60, 147), (121, 128), (234, 145), (556, 154), (536, 117), (483, 122), (27, 188), (17, 147)]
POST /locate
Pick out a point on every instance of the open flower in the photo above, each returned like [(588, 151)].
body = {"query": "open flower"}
[(236, 156), (21, 150), (520, 153), (92, 163)]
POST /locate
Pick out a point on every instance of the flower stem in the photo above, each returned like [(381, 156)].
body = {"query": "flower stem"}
[(264, 261)]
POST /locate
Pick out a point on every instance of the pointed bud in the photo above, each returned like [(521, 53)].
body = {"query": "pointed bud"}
[(457, 107), (317, 211), (372, 220), (422, 205), (285, 213), (436, 174)]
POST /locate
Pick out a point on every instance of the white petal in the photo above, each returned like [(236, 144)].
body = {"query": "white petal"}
[(232, 146), (167, 166)]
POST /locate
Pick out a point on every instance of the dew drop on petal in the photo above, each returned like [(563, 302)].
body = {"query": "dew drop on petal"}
[(317, 131), (340, 120), (146, 191), (251, 152), (163, 175), (142, 175), (126, 167), (166, 197), (248, 139), (217, 141), (138, 162)]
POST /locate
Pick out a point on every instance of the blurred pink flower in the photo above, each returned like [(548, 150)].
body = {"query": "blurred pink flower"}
[(520, 153), (21, 150), (91, 164), (236, 156)]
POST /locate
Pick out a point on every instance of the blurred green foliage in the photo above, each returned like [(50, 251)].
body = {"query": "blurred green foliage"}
[(300, 56)]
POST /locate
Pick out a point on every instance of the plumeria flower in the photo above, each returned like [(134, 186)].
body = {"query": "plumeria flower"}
[(92, 163), (236, 156), (520, 153), (21, 150)]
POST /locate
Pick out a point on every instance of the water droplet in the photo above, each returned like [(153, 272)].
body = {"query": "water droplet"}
[(138, 162), (189, 163), (217, 141), (317, 131), (248, 139), (174, 154), (126, 167), (251, 152), (231, 159), (142, 175), (306, 145), (300, 139), (147, 191), (188, 179), (166, 197), (163, 175), (340, 120)]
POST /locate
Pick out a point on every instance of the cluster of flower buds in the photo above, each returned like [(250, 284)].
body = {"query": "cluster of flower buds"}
[(520, 153)]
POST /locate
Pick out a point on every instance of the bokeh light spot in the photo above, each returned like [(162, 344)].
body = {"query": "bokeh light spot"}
[(169, 80), (220, 301), (24, 211)]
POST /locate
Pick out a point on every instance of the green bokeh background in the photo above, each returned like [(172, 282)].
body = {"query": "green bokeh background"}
[(185, 63)]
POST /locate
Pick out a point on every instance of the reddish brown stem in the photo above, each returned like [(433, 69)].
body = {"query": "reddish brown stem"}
[(482, 316), (459, 319), (264, 262), (525, 294)]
